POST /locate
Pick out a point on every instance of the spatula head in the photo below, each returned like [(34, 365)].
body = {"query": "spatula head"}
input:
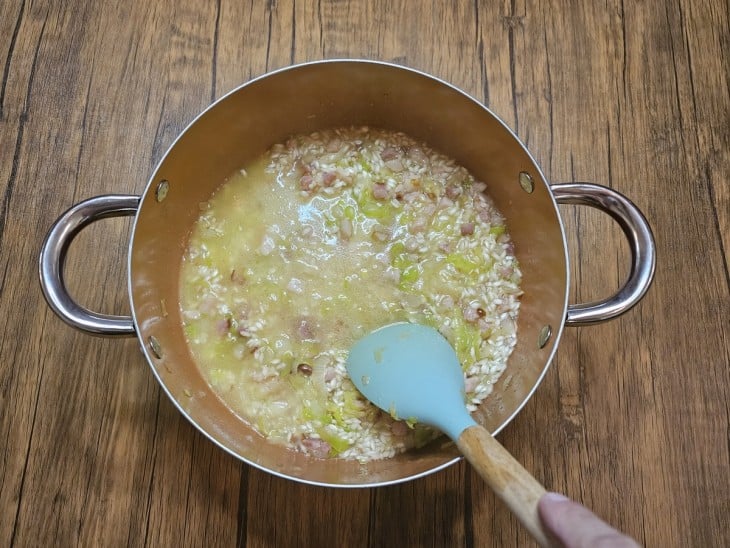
[(412, 372)]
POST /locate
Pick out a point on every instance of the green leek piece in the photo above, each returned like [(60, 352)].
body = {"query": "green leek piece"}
[(372, 208), (337, 443), (461, 263), (192, 331), (377, 210), (398, 248), (410, 274), (401, 262), (466, 337)]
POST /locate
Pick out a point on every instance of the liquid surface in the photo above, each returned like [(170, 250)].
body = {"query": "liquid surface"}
[(326, 238)]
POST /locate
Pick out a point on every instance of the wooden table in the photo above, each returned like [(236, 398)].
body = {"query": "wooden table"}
[(632, 418)]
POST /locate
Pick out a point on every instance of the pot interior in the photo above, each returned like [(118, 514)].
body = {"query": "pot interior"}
[(242, 126)]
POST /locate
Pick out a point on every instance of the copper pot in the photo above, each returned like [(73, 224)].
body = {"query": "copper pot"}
[(240, 127)]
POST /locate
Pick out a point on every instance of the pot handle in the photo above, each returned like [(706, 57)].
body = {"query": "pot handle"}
[(53, 257), (641, 242)]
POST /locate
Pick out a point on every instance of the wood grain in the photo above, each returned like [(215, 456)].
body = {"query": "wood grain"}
[(632, 418), (507, 478)]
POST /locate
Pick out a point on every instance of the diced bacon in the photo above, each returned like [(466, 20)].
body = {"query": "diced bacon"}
[(399, 429), (329, 178), (316, 447), (307, 183), (470, 384), (453, 191), (380, 191), (467, 229), (389, 153)]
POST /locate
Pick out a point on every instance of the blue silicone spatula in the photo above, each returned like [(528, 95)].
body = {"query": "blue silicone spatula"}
[(412, 372)]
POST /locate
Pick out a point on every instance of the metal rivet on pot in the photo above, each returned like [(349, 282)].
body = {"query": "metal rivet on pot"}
[(161, 190), (526, 182), (155, 347), (544, 336)]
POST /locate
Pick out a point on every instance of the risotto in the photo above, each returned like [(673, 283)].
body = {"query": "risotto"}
[(324, 239)]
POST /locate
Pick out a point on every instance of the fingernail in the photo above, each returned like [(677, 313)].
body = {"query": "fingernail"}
[(555, 497)]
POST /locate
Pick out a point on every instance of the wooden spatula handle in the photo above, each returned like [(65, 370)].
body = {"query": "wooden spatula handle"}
[(507, 478)]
